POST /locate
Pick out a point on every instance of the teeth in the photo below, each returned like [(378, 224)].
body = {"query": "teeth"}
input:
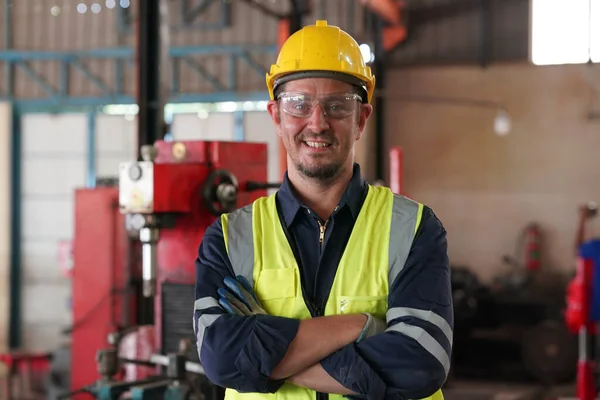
[(317, 144)]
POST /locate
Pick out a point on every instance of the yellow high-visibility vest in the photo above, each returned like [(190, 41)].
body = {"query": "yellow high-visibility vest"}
[(259, 250)]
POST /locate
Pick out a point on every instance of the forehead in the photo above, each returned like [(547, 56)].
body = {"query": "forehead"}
[(318, 86)]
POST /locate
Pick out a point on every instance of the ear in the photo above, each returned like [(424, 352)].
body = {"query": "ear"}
[(273, 109), (364, 113)]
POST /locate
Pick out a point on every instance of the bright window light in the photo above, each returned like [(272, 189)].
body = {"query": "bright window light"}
[(202, 109), (560, 31), (595, 32)]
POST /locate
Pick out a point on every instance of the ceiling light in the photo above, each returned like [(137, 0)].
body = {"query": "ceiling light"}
[(502, 123)]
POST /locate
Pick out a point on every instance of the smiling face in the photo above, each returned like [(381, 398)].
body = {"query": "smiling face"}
[(319, 120)]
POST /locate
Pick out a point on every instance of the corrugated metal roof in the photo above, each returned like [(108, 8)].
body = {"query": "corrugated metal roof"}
[(460, 31), (456, 37)]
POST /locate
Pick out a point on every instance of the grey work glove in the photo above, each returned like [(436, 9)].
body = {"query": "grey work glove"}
[(239, 298), (372, 327)]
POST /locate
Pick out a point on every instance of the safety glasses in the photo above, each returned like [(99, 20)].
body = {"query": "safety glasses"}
[(334, 106)]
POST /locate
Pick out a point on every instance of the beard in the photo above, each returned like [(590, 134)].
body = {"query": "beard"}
[(322, 172)]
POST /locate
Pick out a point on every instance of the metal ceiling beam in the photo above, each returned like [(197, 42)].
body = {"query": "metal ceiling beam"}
[(422, 15), (148, 63)]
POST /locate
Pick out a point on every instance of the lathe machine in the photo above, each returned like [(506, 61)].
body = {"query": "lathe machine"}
[(133, 274)]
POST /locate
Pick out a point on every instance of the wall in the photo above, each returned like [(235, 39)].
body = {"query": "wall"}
[(115, 142), (485, 188), (5, 142), (55, 162), (258, 127)]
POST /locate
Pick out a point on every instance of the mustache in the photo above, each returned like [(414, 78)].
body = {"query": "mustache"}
[(308, 136)]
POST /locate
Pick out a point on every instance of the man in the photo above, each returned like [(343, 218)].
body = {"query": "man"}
[(330, 287)]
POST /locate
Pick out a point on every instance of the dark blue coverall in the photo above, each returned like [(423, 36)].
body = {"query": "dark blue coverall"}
[(240, 352)]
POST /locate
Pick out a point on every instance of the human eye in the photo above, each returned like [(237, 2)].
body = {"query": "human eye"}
[(299, 105), (337, 105)]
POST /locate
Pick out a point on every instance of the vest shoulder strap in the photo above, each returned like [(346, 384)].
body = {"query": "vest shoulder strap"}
[(238, 234), (406, 218), (239, 240)]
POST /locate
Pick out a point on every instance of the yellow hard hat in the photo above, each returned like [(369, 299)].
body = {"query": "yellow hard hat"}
[(321, 50)]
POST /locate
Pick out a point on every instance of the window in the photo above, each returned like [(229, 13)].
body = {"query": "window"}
[(565, 31)]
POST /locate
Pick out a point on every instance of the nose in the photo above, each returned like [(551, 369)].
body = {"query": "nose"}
[(317, 121)]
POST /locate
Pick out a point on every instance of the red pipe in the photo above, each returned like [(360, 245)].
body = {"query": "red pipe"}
[(396, 156), (586, 386), (389, 10), (283, 35)]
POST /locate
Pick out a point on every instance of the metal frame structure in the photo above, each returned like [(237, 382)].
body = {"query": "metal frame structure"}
[(190, 12), (60, 99)]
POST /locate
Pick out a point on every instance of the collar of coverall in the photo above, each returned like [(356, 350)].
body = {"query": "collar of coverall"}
[(353, 196)]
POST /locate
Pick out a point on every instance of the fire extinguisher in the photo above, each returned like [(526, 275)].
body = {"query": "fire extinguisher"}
[(533, 238)]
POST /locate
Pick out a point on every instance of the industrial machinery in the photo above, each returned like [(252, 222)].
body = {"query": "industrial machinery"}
[(516, 320), (134, 273)]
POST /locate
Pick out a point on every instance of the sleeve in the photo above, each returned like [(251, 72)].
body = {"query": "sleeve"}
[(237, 352), (411, 359)]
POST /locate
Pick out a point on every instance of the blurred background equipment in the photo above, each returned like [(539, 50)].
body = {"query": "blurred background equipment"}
[(474, 101), (516, 321), (134, 244)]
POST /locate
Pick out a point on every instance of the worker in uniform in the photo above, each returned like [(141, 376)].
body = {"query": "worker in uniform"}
[(330, 287)]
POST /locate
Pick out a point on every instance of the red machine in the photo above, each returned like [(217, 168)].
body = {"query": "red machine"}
[(135, 247), (99, 277)]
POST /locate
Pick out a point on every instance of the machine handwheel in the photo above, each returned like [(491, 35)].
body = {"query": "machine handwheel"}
[(220, 192), (549, 352)]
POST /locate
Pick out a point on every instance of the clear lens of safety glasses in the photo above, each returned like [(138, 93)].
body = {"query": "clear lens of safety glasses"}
[(335, 106)]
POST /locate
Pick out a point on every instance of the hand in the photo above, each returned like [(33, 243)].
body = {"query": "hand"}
[(240, 298), (372, 327)]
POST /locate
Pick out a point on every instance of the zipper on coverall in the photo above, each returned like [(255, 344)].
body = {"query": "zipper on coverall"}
[(314, 309), (319, 309)]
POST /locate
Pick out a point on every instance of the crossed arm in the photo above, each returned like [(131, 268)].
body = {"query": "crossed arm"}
[(315, 340), (288, 349), (259, 353)]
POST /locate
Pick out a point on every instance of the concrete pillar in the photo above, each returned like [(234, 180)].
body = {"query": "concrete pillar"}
[(5, 157), (365, 150)]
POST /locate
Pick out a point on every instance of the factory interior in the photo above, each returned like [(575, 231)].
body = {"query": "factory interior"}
[(471, 99)]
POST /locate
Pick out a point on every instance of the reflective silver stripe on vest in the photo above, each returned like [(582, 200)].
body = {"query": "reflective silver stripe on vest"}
[(242, 259), (205, 320), (240, 250), (425, 315), (419, 334), (402, 234), (240, 246)]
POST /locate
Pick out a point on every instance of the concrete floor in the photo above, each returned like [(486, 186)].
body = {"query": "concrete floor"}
[(478, 390)]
